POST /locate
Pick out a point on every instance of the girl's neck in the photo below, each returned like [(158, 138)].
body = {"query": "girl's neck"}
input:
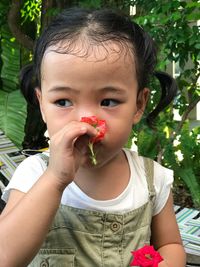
[(106, 182)]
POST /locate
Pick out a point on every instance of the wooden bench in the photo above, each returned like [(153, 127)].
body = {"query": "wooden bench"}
[(189, 225), (10, 157), (188, 219)]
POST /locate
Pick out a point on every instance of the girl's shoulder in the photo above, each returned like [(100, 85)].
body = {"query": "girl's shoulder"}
[(139, 161), (25, 175), (33, 163), (162, 177)]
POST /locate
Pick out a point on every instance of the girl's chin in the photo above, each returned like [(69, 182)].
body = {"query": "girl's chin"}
[(87, 162)]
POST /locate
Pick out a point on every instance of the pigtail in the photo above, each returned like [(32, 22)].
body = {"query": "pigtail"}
[(34, 127), (28, 84), (169, 90)]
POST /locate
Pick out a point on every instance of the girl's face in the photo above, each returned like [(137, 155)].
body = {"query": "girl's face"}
[(103, 84)]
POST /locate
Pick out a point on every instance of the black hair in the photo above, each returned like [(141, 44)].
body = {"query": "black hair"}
[(98, 27)]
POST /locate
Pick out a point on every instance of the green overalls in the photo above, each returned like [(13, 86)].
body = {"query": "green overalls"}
[(85, 238)]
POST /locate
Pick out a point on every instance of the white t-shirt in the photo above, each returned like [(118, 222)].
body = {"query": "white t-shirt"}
[(134, 195)]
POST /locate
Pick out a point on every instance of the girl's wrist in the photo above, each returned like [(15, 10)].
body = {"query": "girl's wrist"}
[(56, 182)]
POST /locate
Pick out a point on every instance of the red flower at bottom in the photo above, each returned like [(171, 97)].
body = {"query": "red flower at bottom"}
[(146, 256)]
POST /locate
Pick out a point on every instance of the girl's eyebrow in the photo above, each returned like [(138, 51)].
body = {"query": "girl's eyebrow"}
[(63, 89), (112, 89), (107, 89)]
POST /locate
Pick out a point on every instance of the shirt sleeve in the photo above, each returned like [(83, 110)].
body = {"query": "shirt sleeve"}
[(25, 175), (163, 180)]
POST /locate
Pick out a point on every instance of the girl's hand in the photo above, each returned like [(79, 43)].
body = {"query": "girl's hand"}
[(67, 148)]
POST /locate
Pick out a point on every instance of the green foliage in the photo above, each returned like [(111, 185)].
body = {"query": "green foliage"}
[(173, 24), (4, 7), (31, 14), (10, 56), (12, 115), (90, 3), (183, 158), (31, 10), (118, 4), (12, 104)]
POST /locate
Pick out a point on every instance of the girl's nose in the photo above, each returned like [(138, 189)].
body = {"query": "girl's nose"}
[(87, 113)]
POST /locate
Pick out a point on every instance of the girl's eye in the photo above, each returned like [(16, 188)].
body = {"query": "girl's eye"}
[(109, 102), (63, 103)]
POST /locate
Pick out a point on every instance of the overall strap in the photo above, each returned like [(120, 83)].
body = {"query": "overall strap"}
[(44, 157), (149, 170)]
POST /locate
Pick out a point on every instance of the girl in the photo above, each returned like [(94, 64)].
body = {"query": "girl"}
[(62, 210)]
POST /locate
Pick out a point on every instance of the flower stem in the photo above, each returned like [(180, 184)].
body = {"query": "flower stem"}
[(93, 156)]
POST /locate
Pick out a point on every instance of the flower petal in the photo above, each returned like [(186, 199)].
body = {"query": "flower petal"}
[(146, 256)]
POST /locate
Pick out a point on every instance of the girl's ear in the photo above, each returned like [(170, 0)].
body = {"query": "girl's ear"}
[(142, 100), (39, 98)]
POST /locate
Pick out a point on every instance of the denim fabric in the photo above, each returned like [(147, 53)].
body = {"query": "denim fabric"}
[(84, 238)]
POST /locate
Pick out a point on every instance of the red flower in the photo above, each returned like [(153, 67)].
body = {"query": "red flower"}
[(146, 257), (100, 125)]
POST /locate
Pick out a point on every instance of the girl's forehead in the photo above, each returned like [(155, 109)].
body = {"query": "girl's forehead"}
[(110, 60), (108, 51)]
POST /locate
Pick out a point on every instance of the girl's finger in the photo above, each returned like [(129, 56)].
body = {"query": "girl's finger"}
[(71, 132)]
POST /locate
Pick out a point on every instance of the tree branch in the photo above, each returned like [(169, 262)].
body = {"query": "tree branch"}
[(185, 116), (46, 5), (13, 22), (179, 126)]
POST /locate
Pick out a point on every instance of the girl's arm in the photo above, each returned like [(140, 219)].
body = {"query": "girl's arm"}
[(26, 218), (25, 221), (166, 237)]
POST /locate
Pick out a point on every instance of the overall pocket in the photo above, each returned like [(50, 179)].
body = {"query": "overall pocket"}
[(54, 258)]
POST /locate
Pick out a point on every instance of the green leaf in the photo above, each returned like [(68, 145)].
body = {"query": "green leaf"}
[(12, 103), (10, 56), (12, 115), (197, 46), (188, 176), (146, 143)]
